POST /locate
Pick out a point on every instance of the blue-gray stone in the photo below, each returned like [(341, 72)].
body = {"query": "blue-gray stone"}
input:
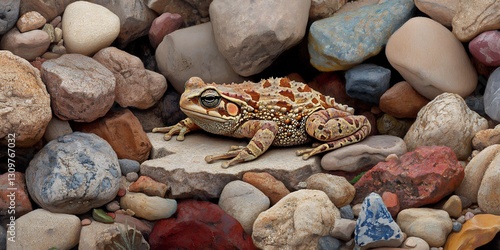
[(476, 104), (456, 226), (129, 166), (367, 82), (329, 243), (9, 12), (73, 174), (492, 96), (350, 37), (346, 212), (375, 225), (3, 237)]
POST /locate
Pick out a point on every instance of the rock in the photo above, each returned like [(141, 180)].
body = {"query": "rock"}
[(74, 174), (297, 221), (338, 189), (389, 125), (267, 184), (14, 198), (37, 229), (431, 225), (243, 202), (485, 169), (163, 25), (121, 129), (363, 154), (486, 48), (330, 39), (135, 18), (88, 27), (3, 237), (131, 177), (375, 226), (192, 12), (472, 18), (453, 206), (9, 11), (391, 201), (24, 98), (199, 225), (195, 178), (390, 101), (192, 52), (327, 242), (251, 35), (420, 177), (439, 10), (148, 207), (492, 96), (30, 21), (476, 232), (143, 227), (113, 206), (486, 138), (148, 186), (367, 82), (456, 226), (128, 166), (27, 45), (135, 86), (56, 128), (49, 9), (106, 236), (431, 67), (346, 212), (415, 243), (441, 120), (343, 229), (324, 8), (81, 89)]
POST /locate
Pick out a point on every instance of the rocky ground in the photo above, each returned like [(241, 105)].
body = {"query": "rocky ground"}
[(82, 84)]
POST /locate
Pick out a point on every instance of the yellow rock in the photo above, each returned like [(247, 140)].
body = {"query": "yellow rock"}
[(475, 232)]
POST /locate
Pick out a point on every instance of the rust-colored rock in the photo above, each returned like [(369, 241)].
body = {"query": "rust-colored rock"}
[(475, 232), (391, 201), (392, 104), (420, 177), (267, 184), (148, 186), (123, 131)]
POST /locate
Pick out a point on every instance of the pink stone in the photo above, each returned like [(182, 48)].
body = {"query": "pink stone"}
[(163, 25), (486, 48)]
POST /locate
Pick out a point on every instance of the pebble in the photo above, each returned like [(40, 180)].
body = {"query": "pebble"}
[(163, 25), (106, 236), (65, 78), (243, 202), (359, 156), (148, 207), (424, 176), (391, 201), (486, 138), (457, 226), (13, 184), (472, 18), (389, 125), (327, 242), (40, 228), (34, 109), (56, 128), (133, 176), (346, 212), (86, 222), (453, 206), (9, 18), (67, 166), (343, 229), (128, 166), (415, 243), (113, 206), (367, 82), (148, 186), (338, 189), (251, 42), (267, 184), (475, 232), (390, 101), (30, 21), (49, 10), (431, 225), (88, 27), (324, 8), (375, 226), (27, 45), (486, 48), (329, 42), (441, 120), (297, 221), (492, 96), (191, 52), (441, 11), (431, 67)]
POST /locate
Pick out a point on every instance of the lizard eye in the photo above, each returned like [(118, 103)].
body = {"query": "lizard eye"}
[(210, 98)]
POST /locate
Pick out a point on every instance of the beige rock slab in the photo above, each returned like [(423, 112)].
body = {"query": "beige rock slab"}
[(474, 17), (182, 166)]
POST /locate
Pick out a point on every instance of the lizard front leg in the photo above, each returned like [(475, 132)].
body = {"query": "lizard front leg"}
[(262, 134), (180, 129)]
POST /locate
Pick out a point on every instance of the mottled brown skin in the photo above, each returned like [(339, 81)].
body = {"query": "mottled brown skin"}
[(275, 111)]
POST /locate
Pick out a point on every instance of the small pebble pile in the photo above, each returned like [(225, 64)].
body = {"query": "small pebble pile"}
[(82, 83)]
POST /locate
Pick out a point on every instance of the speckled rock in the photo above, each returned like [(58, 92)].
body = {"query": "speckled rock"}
[(441, 11), (81, 89), (492, 96), (297, 221), (441, 120), (431, 225), (367, 82), (474, 17), (375, 226), (252, 41), (267, 184), (330, 39), (475, 232), (10, 12), (390, 101), (431, 67), (486, 48), (25, 99), (163, 25), (363, 154), (27, 45), (30, 21), (148, 207), (324, 8), (486, 138), (74, 174), (243, 202), (338, 189)]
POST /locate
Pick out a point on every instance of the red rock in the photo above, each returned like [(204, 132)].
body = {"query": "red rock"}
[(13, 189), (486, 48), (267, 184), (123, 131), (420, 177), (163, 25), (121, 192), (148, 186), (391, 201), (199, 225), (390, 101)]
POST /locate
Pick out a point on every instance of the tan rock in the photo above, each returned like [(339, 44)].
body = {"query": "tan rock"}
[(338, 189), (489, 191), (48, 8), (148, 207), (431, 225), (27, 45), (453, 206), (324, 8), (56, 128), (475, 232), (441, 11), (474, 17), (486, 138), (30, 21), (390, 101), (267, 184)]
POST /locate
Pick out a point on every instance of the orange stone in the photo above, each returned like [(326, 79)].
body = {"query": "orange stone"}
[(475, 232), (402, 101), (148, 186), (391, 201), (267, 184)]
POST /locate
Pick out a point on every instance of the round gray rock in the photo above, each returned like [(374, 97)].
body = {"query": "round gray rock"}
[(73, 174)]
